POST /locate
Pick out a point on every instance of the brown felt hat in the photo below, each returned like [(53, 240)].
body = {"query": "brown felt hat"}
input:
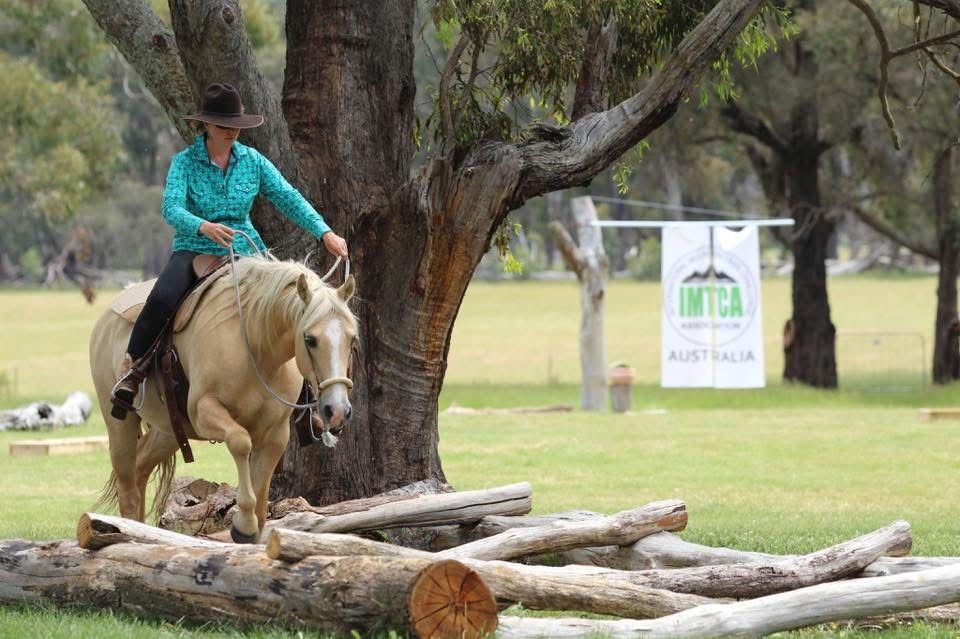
[(222, 106)]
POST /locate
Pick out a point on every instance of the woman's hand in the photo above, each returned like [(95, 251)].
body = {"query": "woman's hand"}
[(219, 233), (335, 244)]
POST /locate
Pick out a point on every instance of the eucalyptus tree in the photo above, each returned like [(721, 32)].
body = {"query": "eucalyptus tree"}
[(806, 100), (343, 129), (918, 71)]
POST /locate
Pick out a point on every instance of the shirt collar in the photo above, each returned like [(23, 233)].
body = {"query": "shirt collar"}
[(200, 149)]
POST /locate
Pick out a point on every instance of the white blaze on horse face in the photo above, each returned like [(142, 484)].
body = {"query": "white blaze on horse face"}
[(334, 333), (335, 395)]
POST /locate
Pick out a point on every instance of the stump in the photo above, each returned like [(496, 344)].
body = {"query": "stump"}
[(448, 600)]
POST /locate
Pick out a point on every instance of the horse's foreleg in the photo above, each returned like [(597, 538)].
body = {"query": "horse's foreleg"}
[(263, 461), (214, 421)]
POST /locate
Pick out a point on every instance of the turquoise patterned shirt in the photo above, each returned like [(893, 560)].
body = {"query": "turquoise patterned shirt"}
[(198, 190)]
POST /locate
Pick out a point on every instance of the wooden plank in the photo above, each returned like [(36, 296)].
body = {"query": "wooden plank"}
[(64, 446), (930, 414)]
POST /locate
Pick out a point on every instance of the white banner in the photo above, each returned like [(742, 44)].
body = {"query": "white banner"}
[(712, 333)]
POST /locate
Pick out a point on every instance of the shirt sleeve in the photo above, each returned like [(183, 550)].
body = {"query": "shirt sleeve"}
[(289, 200), (175, 201)]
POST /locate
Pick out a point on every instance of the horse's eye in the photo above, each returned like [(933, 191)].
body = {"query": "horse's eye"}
[(310, 341)]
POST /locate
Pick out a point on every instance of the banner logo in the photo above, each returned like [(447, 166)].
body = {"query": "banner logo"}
[(723, 297)]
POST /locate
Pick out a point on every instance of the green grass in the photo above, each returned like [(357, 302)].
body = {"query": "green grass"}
[(785, 469)]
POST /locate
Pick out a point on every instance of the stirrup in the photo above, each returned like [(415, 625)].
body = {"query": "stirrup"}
[(121, 397)]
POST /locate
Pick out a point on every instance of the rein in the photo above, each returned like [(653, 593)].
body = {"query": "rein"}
[(328, 438)]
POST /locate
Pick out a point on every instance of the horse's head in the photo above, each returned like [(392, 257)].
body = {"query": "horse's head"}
[(324, 342)]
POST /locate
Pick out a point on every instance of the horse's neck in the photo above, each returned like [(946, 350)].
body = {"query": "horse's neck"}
[(280, 349)]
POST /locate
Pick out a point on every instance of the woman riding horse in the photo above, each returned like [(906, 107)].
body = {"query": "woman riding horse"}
[(208, 196)]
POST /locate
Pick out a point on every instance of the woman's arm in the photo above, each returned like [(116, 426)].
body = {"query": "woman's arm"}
[(175, 201), (289, 200)]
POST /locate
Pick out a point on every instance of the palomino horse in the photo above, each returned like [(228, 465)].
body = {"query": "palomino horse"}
[(298, 328)]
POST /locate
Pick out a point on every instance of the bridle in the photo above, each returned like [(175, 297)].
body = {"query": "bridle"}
[(328, 438)]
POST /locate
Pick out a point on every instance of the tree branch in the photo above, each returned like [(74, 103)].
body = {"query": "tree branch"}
[(949, 7), (923, 44), (572, 255), (752, 125), (151, 49), (598, 139), (885, 57), (446, 106), (601, 42), (888, 230)]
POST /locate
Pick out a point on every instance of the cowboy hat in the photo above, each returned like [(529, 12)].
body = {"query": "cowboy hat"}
[(222, 106)]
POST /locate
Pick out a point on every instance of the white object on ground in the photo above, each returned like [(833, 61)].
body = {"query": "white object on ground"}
[(45, 416)]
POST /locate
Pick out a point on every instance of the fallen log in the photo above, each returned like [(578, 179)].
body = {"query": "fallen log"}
[(822, 603), (423, 510), (899, 565), (200, 506), (242, 586), (95, 531), (619, 529), (537, 587), (666, 550), (728, 581)]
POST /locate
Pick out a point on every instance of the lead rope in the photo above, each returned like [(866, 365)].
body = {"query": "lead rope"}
[(328, 438)]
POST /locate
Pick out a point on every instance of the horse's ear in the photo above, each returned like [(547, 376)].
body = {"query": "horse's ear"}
[(303, 290), (347, 289)]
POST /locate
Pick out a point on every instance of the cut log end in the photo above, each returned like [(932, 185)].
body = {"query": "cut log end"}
[(87, 533), (448, 600)]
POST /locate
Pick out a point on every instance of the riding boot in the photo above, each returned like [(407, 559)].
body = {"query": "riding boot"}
[(125, 390)]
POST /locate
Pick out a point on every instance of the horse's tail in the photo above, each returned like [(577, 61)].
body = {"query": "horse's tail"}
[(109, 498), (164, 474)]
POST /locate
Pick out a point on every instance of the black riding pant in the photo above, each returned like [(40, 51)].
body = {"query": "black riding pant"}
[(177, 278)]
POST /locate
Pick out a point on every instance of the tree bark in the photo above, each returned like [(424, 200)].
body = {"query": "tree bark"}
[(240, 586), (946, 341), (810, 357)]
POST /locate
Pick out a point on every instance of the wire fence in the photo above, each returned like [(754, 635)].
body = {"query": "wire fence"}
[(882, 361)]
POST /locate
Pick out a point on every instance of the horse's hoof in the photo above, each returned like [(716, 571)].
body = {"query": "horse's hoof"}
[(242, 538)]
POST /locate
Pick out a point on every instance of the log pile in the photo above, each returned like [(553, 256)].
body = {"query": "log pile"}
[(329, 569)]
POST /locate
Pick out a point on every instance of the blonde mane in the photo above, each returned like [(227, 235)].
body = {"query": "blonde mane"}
[(271, 303)]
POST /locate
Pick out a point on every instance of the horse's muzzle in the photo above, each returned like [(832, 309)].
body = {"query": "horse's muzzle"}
[(337, 416)]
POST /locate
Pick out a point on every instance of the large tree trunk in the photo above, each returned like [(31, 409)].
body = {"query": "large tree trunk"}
[(353, 138), (810, 356), (946, 343)]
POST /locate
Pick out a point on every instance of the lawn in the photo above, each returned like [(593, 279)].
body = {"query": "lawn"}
[(784, 469)]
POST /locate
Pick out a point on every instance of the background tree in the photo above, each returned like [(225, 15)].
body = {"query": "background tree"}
[(62, 139), (921, 214)]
